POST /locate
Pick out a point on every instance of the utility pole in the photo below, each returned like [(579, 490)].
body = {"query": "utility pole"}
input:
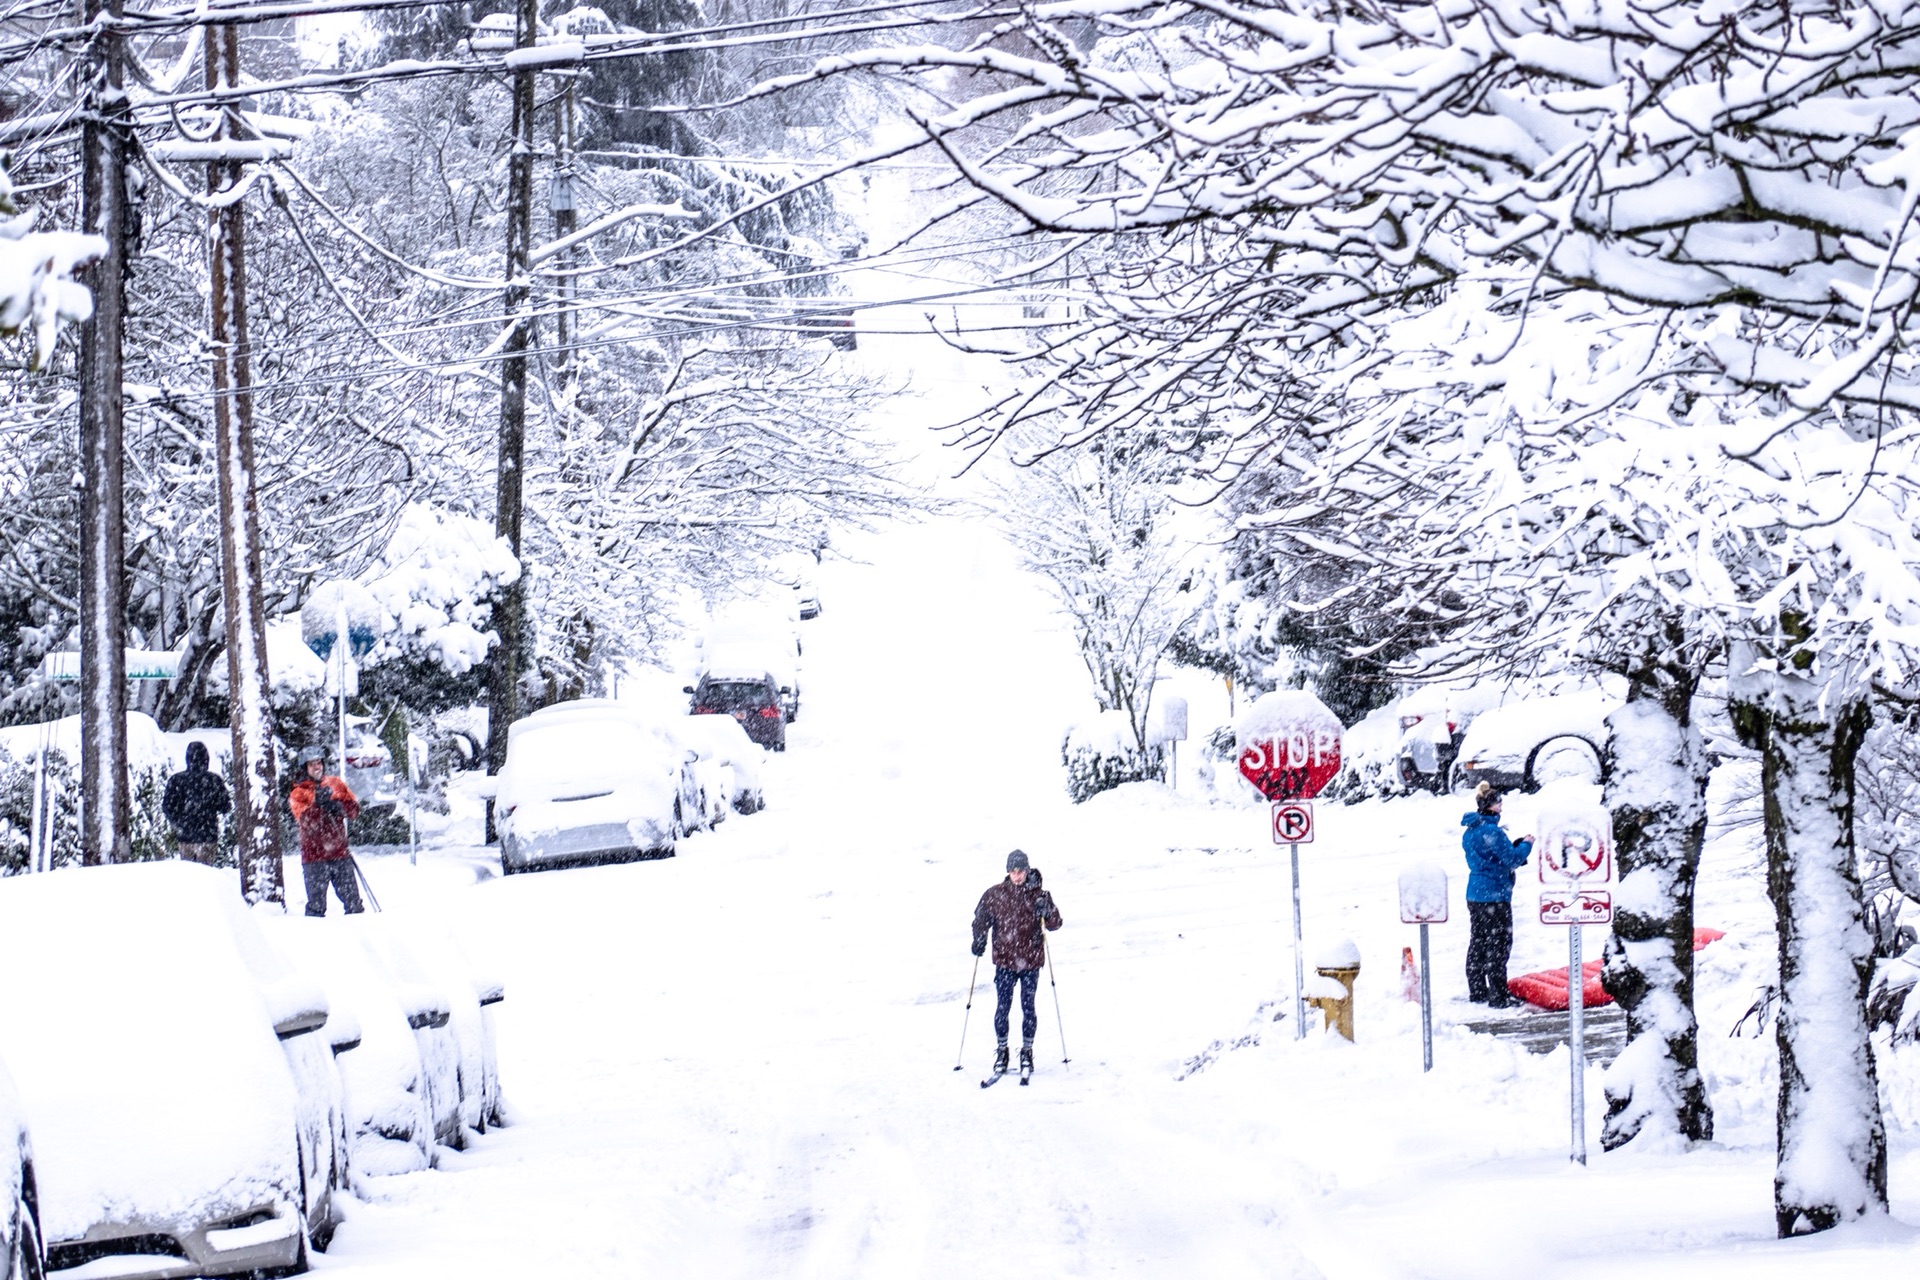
[(104, 143), (510, 602), (256, 830), (566, 220)]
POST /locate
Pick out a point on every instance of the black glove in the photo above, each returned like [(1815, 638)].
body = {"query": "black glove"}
[(1043, 904), (979, 946), (330, 803)]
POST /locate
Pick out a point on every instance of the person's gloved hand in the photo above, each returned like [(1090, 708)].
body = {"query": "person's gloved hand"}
[(979, 946), (1043, 903), (329, 802)]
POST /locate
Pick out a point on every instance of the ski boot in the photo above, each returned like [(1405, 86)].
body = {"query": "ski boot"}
[(1026, 1062), (1000, 1059)]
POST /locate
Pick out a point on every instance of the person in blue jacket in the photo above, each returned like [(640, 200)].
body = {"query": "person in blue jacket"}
[(1491, 861)]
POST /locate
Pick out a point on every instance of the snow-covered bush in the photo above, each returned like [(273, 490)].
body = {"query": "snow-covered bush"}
[(1101, 754)]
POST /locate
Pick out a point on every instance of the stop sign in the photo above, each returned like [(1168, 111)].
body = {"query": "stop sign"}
[(1289, 745)]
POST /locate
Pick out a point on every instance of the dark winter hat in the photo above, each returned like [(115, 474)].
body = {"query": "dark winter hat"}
[(1486, 797), (1017, 861)]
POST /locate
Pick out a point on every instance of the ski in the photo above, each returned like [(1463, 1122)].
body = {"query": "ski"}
[(994, 1079), (1026, 1074)]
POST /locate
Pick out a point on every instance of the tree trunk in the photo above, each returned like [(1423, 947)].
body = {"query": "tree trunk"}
[(510, 602), (103, 582), (1656, 781), (1831, 1146), (256, 832)]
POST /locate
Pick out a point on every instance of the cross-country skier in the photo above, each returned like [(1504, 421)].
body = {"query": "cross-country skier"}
[(322, 806), (1015, 910)]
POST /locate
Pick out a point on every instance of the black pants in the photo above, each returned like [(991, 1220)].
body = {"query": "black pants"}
[(1003, 980), (1488, 947), (337, 872)]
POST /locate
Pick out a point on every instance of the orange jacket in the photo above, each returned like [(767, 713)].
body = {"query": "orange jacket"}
[(323, 835)]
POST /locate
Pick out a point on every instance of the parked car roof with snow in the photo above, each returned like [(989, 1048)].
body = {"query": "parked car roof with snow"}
[(165, 1117), (1532, 741), (587, 780)]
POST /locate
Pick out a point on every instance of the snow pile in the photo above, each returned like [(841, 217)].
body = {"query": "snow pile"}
[(435, 581), (146, 746), (1101, 753), (37, 288)]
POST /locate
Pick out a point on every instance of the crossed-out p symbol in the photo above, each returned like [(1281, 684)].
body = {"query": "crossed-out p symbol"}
[(1293, 822)]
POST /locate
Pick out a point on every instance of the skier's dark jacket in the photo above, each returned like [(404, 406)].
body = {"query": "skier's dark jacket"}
[(1491, 858), (1013, 913), (195, 799), (323, 826)]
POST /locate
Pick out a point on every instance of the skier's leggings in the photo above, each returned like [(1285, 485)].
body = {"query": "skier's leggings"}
[(1003, 980)]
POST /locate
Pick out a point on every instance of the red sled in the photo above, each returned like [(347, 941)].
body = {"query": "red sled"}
[(1548, 988)]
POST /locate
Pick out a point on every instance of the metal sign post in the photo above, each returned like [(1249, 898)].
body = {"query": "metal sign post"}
[(1288, 746), (1423, 901), (1575, 859)]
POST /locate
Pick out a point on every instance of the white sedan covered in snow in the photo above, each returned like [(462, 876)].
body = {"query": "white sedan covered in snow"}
[(149, 1046), (721, 740), (1528, 743), (408, 1079), (590, 781)]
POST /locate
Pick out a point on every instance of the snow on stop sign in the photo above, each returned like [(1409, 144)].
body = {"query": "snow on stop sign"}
[(1289, 745)]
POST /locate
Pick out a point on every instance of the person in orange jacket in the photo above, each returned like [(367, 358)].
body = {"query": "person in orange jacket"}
[(322, 806)]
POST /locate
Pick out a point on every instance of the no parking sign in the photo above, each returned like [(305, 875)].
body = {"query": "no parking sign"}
[(1293, 822)]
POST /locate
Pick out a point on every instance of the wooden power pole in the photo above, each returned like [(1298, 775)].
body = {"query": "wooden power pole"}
[(256, 829), (510, 603), (103, 581)]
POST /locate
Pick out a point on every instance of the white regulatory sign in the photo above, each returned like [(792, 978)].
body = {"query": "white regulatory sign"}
[(1576, 906), (1293, 822)]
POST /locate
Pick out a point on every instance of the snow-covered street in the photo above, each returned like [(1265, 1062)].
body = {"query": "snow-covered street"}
[(739, 1062)]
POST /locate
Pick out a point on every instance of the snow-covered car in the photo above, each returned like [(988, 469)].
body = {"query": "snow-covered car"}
[(723, 739), (749, 660), (712, 774), (589, 781), (21, 1257), (472, 995), (1369, 757), (795, 571), (1434, 722), (1532, 741), (402, 1080), (150, 1052)]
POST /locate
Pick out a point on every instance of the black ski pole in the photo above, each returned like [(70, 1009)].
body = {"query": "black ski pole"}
[(1046, 953), (366, 887), (973, 984)]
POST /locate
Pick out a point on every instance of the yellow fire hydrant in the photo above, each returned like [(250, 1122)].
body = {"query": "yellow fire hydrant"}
[(1336, 967)]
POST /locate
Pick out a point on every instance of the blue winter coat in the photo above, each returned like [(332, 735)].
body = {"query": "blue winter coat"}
[(1491, 858)]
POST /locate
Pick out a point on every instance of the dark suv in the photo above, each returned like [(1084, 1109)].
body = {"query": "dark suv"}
[(754, 703)]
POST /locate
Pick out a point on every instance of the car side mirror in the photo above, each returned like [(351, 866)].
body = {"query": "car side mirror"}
[(686, 689), (300, 1023), (785, 690)]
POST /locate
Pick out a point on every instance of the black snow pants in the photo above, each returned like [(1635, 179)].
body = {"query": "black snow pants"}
[(1003, 980), (1488, 947), (337, 872)]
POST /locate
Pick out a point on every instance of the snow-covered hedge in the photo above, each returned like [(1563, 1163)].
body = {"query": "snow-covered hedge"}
[(1101, 754)]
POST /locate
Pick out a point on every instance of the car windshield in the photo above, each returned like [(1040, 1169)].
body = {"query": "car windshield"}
[(733, 695), (553, 759)]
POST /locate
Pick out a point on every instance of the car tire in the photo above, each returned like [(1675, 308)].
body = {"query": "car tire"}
[(1564, 756), (28, 1261)]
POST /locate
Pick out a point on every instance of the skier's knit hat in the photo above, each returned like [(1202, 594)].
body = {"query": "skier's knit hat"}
[(1017, 861), (1486, 796)]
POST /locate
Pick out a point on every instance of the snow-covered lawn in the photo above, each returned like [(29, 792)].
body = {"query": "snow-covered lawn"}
[(739, 1062)]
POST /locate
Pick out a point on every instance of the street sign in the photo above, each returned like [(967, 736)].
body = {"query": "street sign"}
[(1423, 894), (1288, 745), (1293, 822), (142, 664), (1575, 847), (338, 606), (1576, 906)]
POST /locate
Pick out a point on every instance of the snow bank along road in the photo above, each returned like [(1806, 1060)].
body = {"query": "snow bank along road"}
[(739, 1062)]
